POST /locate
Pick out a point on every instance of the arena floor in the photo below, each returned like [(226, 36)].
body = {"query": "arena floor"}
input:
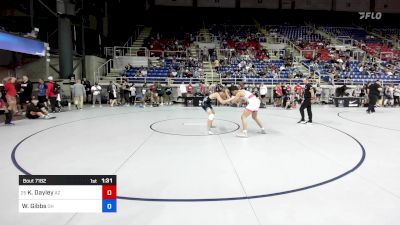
[(343, 169)]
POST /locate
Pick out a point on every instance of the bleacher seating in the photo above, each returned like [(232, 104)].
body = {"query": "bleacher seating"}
[(354, 76), (295, 33)]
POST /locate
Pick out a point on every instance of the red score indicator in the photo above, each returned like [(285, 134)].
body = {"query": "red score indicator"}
[(109, 191)]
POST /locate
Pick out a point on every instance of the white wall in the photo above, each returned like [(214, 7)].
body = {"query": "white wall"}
[(267, 4), (37, 69), (136, 61), (353, 5), (217, 3), (314, 4), (274, 46), (206, 45), (174, 2), (92, 63), (393, 6)]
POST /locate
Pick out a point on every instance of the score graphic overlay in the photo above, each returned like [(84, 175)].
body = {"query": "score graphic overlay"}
[(67, 193)]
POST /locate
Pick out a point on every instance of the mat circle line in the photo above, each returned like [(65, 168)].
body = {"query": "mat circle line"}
[(235, 198)]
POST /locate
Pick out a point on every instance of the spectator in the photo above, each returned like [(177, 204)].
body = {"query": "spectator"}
[(190, 90), (87, 86), (216, 65), (278, 95), (17, 85), (52, 88), (299, 89), (96, 93), (143, 72), (112, 93), (120, 88), (160, 93), (25, 94), (71, 78), (284, 95), (202, 88), (396, 95), (389, 91), (132, 90), (263, 93), (6, 110), (318, 92), (11, 94), (183, 90), (78, 92), (127, 92), (168, 94), (36, 110), (42, 89), (142, 96), (154, 96)]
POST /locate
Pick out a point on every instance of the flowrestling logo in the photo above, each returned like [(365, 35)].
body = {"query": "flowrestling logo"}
[(370, 15)]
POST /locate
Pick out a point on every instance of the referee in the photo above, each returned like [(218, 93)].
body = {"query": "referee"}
[(308, 95), (374, 91)]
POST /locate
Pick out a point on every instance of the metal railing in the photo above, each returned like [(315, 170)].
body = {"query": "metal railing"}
[(346, 40), (126, 51), (103, 70), (204, 38), (241, 80), (136, 32), (384, 56), (225, 53), (195, 80), (142, 51), (211, 69)]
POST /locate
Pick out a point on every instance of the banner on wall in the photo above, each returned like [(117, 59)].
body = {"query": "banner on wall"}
[(15, 43)]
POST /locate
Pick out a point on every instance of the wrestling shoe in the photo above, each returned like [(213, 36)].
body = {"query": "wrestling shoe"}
[(262, 131), (241, 134), (210, 132), (302, 122)]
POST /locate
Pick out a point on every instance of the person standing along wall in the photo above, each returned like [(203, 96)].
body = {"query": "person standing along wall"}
[(132, 89), (87, 86), (190, 90), (263, 94), (4, 109), (96, 93), (396, 95), (168, 93), (11, 94), (25, 92), (42, 89), (51, 95), (160, 93), (127, 93), (112, 93), (79, 92)]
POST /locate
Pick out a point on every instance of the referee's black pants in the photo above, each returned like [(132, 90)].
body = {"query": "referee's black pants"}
[(372, 102), (306, 104)]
